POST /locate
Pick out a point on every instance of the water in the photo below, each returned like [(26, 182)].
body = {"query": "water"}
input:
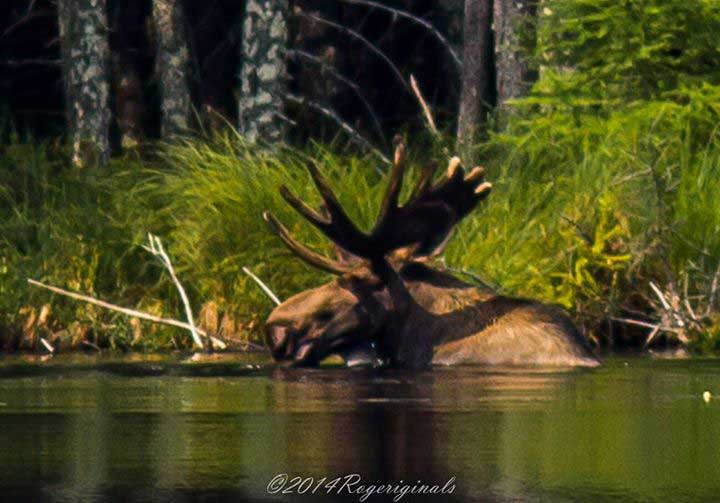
[(97, 430)]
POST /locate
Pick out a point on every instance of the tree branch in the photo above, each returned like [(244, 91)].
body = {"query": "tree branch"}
[(113, 307), (335, 117), (156, 248), (358, 36), (418, 20), (352, 85), (262, 286)]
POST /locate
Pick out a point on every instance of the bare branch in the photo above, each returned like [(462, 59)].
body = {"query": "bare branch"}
[(686, 300), (156, 248), (262, 286), (91, 345), (335, 117), (713, 292), (352, 85), (47, 345), (660, 296), (415, 19), (358, 36), (645, 324), (425, 108), (113, 307), (28, 16), (651, 336)]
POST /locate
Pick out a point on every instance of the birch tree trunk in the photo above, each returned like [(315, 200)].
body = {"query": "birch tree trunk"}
[(515, 27), (172, 66), (262, 74), (476, 69), (85, 56)]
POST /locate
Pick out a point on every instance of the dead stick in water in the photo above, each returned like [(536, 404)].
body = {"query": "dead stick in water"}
[(113, 307), (124, 310), (156, 248), (263, 286)]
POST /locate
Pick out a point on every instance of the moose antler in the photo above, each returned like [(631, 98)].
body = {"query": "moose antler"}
[(424, 222)]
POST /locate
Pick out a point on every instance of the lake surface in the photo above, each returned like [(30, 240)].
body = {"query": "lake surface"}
[(87, 429)]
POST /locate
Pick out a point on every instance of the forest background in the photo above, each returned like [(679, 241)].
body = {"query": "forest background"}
[(595, 119)]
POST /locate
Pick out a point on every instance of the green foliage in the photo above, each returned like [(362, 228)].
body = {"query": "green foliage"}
[(213, 195), (587, 230), (83, 231), (622, 125), (596, 259), (607, 51), (69, 228), (606, 178)]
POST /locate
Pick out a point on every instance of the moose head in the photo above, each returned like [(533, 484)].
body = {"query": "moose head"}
[(369, 300)]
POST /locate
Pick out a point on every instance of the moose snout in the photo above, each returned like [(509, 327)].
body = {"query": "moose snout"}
[(279, 340), (288, 344)]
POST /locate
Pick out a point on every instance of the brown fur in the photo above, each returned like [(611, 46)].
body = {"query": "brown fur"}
[(471, 325), (447, 322), (388, 299)]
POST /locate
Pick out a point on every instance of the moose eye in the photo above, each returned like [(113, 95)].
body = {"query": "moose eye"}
[(324, 316)]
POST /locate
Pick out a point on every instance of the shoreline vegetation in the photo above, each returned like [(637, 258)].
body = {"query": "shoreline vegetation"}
[(605, 201), (616, 221)]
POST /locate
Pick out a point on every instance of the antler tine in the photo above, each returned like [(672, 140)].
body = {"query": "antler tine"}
[(425, 180), (332, 205), (392, 193), (302, 251), (306, 211), (453, 180), (340, 228)]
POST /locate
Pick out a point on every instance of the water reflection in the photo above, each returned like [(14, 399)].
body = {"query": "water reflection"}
[(621, 432)]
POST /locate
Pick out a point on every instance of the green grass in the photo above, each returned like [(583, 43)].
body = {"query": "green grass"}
[(584, 216), (606, 178), (84, 231)]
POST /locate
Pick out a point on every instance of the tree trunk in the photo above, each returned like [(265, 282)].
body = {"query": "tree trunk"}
[(172, 66), (515, 27), (126, 45), (129, 103), (85, 55), (475, 88), (262, 75), (452, 11)]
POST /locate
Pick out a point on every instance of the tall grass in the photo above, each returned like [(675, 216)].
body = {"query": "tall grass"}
[(84, 231), (73, 229), (606, 178), (607, 201), (585, 217)]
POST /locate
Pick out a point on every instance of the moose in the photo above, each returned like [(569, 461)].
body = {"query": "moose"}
[(388, 297)]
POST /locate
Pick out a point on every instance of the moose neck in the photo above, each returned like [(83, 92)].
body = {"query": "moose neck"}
[(438, 304), (439, 292)]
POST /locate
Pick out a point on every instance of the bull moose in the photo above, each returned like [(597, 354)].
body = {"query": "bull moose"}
[(387, 295)]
